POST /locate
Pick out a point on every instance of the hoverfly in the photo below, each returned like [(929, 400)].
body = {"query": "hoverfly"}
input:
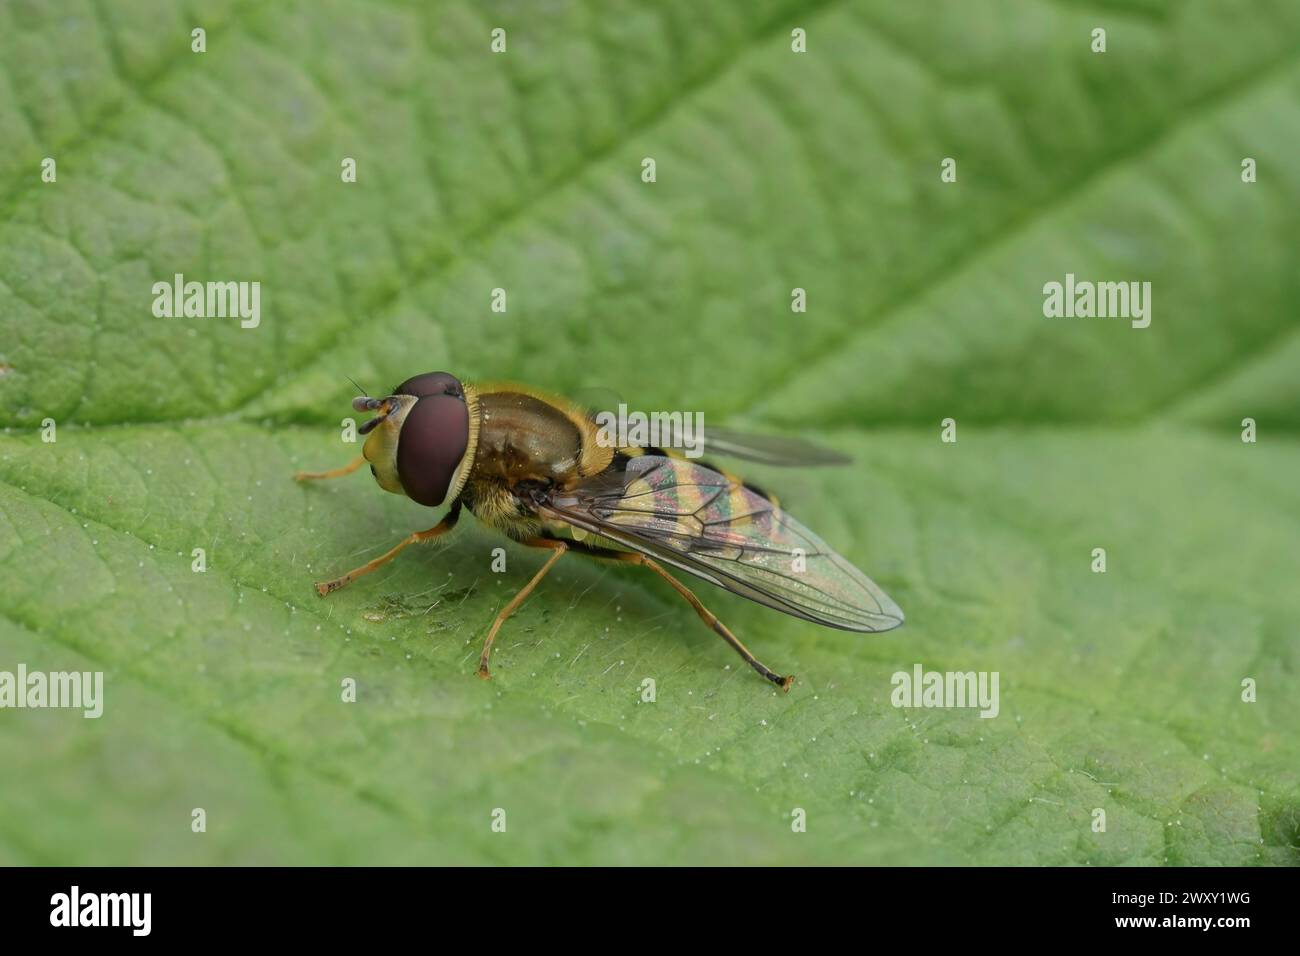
[(530, 466)]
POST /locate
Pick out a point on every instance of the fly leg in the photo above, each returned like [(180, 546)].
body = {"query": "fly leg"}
[(347, 469), (418, 537), (705, 614), (559, 548)]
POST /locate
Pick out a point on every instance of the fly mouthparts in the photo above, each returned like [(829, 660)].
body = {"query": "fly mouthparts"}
[(364, 403)]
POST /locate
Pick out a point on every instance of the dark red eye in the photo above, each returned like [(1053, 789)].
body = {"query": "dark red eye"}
[(433, 439), (430, 383)]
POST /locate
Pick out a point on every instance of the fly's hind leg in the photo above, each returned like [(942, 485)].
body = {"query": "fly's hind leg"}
[(418, 537), (707, 616), (559, 547)]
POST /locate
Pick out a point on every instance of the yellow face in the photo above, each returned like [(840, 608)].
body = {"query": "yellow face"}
[(380, 448)]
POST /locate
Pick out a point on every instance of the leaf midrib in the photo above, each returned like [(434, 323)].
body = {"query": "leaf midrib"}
[(812, 367)]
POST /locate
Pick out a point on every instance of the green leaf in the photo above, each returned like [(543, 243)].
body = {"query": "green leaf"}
[(1120, 691)]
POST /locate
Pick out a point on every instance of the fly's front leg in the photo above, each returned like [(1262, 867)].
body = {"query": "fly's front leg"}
[(419, 537), (347, 469)]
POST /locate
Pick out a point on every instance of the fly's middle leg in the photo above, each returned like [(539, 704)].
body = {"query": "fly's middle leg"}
[(559, 548)]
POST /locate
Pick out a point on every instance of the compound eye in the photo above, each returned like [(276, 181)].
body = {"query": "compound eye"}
[(430, 446), (429, 384)]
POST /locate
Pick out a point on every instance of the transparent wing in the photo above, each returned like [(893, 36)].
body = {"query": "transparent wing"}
[(702, 522), (727, 442), (769, 449)]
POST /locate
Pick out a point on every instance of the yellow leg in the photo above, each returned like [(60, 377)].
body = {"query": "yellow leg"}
[(560, 547), (442, 527), (347, 469), (708, 618)]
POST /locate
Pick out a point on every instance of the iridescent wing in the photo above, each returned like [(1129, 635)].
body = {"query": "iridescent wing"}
[(702, 522)]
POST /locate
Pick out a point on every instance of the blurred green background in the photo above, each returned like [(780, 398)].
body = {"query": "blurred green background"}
[(775, 170)]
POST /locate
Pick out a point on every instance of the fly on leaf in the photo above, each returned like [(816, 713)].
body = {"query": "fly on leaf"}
[(531, 466)]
